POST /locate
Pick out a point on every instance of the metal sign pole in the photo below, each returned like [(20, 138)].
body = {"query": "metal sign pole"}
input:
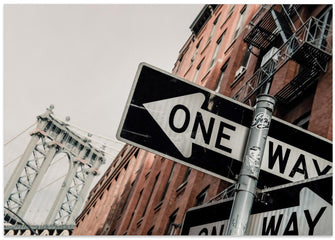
[(253, 154)]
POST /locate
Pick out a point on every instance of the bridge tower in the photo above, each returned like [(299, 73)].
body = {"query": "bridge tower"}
[(50, 138)]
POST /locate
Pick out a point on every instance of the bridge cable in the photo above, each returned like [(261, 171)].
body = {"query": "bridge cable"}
[(12, 160), (19, 134), (54, 162), (44, 187)]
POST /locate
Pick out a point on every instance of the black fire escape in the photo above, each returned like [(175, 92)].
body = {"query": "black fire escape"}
[(309, 45)]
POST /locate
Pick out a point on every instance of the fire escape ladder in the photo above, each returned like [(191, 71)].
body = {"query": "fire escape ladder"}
[(310, 46), (282, 24)]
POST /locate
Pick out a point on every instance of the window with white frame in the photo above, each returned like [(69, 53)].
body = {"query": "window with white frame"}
[(222, 72), (196, 51), (217, 48), (197, 72), (213, 27), (240, 22)]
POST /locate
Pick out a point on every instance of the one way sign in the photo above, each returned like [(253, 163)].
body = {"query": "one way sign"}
[(302, 208), (188, 124), (192, 125)]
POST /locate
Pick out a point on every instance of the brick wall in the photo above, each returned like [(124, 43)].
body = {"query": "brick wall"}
[(129, 201)]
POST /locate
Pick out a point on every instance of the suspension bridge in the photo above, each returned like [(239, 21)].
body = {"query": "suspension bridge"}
[(49, 168)]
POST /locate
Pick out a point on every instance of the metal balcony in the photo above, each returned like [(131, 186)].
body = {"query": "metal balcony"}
[(263, 28), (309, 46), (297, 85)]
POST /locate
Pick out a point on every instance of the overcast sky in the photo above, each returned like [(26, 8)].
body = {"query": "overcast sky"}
[(83, 60)]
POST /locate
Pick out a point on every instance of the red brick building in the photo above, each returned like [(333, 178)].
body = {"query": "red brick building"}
[(233, 50)]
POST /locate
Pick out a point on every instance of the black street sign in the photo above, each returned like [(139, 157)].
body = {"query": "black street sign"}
[(302, 208), (197, 127)]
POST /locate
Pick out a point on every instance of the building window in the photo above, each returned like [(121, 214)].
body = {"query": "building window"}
[(152, 190), (187, 174), (107, 172), (231, 9), (213, 28), (246, 58), (170, 228), (222, 73), (244, 64), (196, 51), (168, 182), (303, 121), (197, 72), (230, 12), (201, 197), (150, 230), (126, 166), (132, 215), (101, 196), (127, 198), (217, 48), (178, 64), (136, 153), (139, 198), (240, 22)]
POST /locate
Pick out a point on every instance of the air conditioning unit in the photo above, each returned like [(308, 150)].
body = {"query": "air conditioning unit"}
[(239, 71), (271, 54)]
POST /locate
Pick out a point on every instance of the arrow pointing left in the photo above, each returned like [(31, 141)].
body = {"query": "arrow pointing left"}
[(184, 123)]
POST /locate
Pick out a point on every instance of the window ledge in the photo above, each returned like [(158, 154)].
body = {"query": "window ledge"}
[(208, 42), (147, 174), (139, 222), (229, 47), (207, 73), (228, 17), (237, 79), (158, 206), (188, 69), (181, 186)]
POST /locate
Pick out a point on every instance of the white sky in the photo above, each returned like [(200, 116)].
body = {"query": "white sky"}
[(82, 59)]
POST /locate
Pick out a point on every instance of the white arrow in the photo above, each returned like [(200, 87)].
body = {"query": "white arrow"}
[(313, 216), (184, 122)]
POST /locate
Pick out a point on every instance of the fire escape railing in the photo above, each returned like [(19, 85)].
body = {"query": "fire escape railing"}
[(309, 46), (262, 28)]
